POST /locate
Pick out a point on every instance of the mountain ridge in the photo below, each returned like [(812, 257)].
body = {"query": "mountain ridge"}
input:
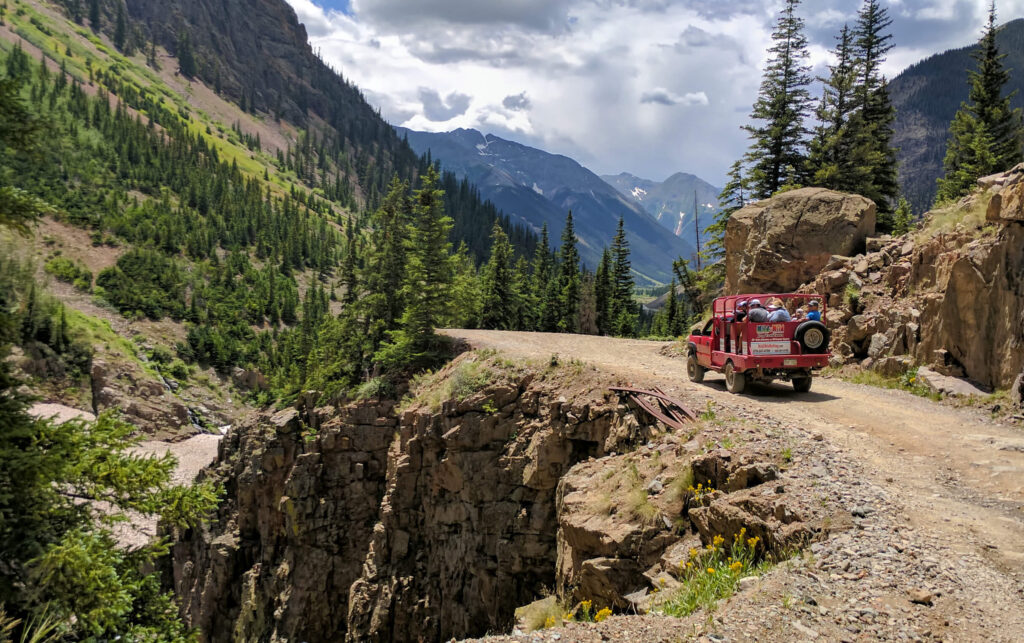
[(926, 96), (538, 187), (671, 201)]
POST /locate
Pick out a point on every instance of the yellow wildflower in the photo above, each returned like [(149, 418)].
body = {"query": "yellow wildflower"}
[(737, 566), (711, 570), (602, 614), (693, 552), (752, 542), (717, 540), (549, 622)]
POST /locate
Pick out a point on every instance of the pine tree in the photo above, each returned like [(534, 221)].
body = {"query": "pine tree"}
[(569, 280), (120, 28), (986, 135), (498, 296), (623, 308), (671, 309), (384, 270), (831, 163), (902, 218), (544, 285), (873, 121), (467, 298), (523, 297), (428, 280), (349, 277), (94, 15), (603, 293), (778, 146), (186, 57), (588, 305), (732, 198), (75, 11)]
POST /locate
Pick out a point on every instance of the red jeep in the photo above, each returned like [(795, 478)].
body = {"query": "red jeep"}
[(759, 351)]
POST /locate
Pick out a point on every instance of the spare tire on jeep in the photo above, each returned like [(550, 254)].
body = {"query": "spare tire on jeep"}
[(813, 337)]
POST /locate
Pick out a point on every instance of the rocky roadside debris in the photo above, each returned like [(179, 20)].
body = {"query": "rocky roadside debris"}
[(869, 575)]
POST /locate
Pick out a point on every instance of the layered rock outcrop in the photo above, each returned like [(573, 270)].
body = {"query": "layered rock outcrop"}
[(778, 244), (951, 299), (302, 494)]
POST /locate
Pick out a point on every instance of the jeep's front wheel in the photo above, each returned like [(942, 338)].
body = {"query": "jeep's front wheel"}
[(694, 371), (735, 382)]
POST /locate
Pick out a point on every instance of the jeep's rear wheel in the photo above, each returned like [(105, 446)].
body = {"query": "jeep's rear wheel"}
[(802, 384), (694, 371), (734, 382)]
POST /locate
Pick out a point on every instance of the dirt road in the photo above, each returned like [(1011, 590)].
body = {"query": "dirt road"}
[(952, 473)]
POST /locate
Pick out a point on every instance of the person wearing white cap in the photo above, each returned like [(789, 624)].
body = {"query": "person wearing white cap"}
[(757, 312)]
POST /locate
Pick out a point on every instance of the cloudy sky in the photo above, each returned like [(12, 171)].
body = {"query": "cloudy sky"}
[(650, 87)]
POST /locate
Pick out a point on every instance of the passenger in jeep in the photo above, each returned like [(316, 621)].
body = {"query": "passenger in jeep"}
[(778, 312), (739, 316), (757, 312), (813, 311)]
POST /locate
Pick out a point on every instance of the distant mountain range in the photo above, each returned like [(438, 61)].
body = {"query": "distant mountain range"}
[(672, 201), (927, 94), (537, 187)]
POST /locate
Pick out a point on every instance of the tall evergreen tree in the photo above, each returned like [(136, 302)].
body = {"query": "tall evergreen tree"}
[(120, 28), (349, 277), (467, 298), (186, 57), (986, 135), (499, 305), (545, 285), (603, 293), (384, 271), (873, 121), (427, 281), (524, 299), (588, 304), (831, 163), (778, 145), (671, 309), (569, 280), (94, 15), (733, 197), (623, 307)]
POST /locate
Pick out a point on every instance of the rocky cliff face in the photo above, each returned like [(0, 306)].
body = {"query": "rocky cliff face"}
[(437, 523), (366, 524), (778, 244), (301, 500), (949, 296)]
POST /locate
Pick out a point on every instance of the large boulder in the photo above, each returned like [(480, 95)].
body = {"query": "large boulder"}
[(778, 244)]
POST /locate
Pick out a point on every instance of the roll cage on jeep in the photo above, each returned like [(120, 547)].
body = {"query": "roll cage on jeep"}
[(759, 351)]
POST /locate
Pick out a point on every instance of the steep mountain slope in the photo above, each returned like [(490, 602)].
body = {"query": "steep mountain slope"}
[(927, 94), (537, 187), (194, 242), (672, 200)]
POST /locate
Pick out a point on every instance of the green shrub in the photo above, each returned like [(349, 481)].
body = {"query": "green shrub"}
[(853, 297), (161, 354), (378, 387), (179, 370), (70, 272)]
